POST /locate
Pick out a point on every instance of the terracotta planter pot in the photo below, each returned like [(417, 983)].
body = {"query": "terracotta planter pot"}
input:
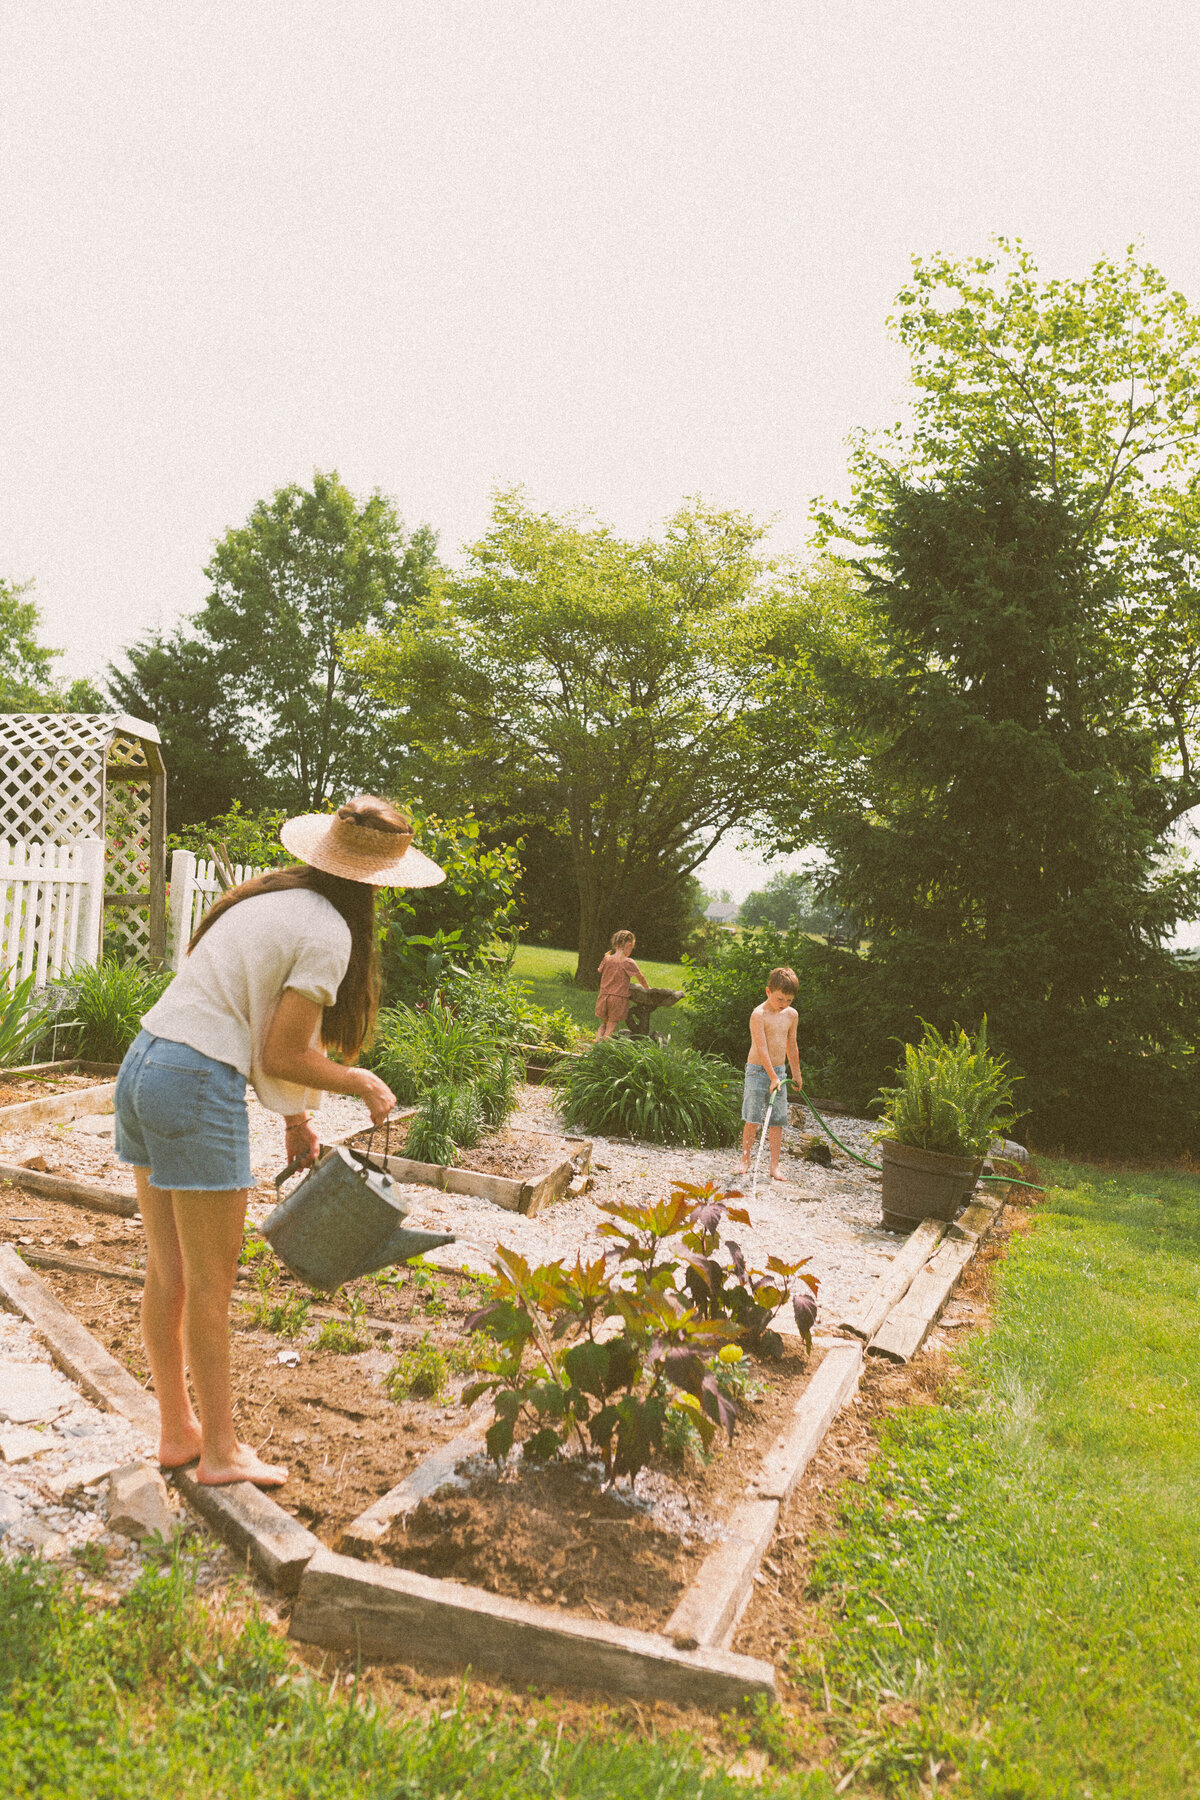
[(923, 1184)]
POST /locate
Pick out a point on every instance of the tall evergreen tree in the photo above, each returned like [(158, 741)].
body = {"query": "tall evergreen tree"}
[(1000, 838)]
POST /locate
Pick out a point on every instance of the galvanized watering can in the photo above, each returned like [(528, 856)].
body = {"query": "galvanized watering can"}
[(344, 1220)]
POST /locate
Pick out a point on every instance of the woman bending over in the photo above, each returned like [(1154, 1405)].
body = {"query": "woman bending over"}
[(280, 971)]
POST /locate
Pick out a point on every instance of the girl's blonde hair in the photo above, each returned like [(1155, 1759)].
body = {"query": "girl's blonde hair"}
[(619, 940)]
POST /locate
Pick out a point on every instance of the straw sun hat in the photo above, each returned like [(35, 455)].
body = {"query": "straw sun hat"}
[(343, 845)]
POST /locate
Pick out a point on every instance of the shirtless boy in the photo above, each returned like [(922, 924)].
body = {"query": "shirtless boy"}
[(772, 1039)]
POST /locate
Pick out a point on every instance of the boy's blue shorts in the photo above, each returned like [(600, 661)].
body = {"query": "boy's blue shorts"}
[(754, 1095)]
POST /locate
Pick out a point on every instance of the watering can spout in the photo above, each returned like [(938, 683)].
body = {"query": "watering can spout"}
[(403, 1245)]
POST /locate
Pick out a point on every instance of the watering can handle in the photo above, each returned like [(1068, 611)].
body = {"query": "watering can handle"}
[(293, 1168)]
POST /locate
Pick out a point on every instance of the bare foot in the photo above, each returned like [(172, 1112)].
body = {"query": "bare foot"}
[(245, 1466), (177, 1451), (776, 1176)]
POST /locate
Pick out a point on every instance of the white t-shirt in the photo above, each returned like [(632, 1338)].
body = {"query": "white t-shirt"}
[(223, 999)]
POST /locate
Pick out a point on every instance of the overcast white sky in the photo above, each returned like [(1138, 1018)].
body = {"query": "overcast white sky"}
[(617, 252)]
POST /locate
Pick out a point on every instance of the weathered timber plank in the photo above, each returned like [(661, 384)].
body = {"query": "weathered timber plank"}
[(429, 1475), (393, 1613), (713, 1604), (255, 1526), (73, 1347), (71, 1066), (890, 1287), (909, 1324), (58, 1109), (501, 1190), (544, 1188), (277, 1545), (81, 1265), (71, 1193), (709, 1610), (977, 1220), (824, 1397)]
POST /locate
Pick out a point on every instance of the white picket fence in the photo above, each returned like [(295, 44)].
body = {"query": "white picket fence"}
[(195, 884), (51, 907)]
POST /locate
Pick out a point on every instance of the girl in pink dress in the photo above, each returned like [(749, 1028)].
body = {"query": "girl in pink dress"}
[(616, 983)]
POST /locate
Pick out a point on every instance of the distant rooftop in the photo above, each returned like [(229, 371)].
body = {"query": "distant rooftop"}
[(722, 912)]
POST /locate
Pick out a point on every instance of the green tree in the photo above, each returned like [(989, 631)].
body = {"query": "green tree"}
[(176, 683), (787, 902), (25, 664), (610, 688), (1097, 378), (27, 681), (310, 565), (1000, 836)]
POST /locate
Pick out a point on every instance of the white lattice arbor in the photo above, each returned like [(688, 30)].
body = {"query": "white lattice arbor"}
[(94, 775)]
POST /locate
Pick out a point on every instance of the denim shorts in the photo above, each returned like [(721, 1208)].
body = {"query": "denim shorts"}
[(754, 1095), (182, 1116)]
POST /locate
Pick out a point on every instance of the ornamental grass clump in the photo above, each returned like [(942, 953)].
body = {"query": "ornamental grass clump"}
[(22, 1018), (664, 1093), (953, 1095), (107, 1013), (455, 1065)]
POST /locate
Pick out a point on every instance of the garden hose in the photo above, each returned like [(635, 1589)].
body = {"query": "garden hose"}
[(867, 1163)]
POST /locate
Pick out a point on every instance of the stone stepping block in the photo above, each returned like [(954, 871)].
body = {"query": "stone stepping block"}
[(32, 1392)]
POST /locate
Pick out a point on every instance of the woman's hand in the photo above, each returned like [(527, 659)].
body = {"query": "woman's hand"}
[(376, 1093), (301, 1142)]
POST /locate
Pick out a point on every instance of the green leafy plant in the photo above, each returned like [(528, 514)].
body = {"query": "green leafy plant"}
[(349, 1336), (108, 1008), (285, 1318), (424, 1371), (563, 1373), (450, 1117), (665, 1093), (953, 1095), (22, 1018), (455, 1062), (91, 1557)]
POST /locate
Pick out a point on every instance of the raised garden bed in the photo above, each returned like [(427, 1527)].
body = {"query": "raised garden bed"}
[(54, 1097), (554, 1534), (335, 1440), (517, 1169)]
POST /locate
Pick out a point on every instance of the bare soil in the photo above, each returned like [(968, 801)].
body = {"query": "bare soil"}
[(550, 1536), (509, 1151), (554, 1535), (15, 1089)]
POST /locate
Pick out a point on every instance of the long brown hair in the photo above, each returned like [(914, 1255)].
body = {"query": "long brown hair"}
[(348, 1023)]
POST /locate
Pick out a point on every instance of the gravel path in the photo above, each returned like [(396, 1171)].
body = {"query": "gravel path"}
[(56, 1452), (829, 1215)]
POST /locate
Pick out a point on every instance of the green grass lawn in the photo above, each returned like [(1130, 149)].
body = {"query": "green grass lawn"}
[(150, 1700), (1017, 1589), (541, 969)]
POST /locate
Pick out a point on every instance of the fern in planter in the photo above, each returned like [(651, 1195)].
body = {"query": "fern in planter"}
[(665, 1093), (953, 1096)]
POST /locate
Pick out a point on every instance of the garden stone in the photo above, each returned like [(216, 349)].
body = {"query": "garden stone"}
[(84, 1475), (10, 1512), (137, 1502), (32, 1391), (47, 1542), (21, 1444)]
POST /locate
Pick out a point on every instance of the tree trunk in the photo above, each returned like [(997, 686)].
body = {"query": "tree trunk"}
[(594, 934)]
